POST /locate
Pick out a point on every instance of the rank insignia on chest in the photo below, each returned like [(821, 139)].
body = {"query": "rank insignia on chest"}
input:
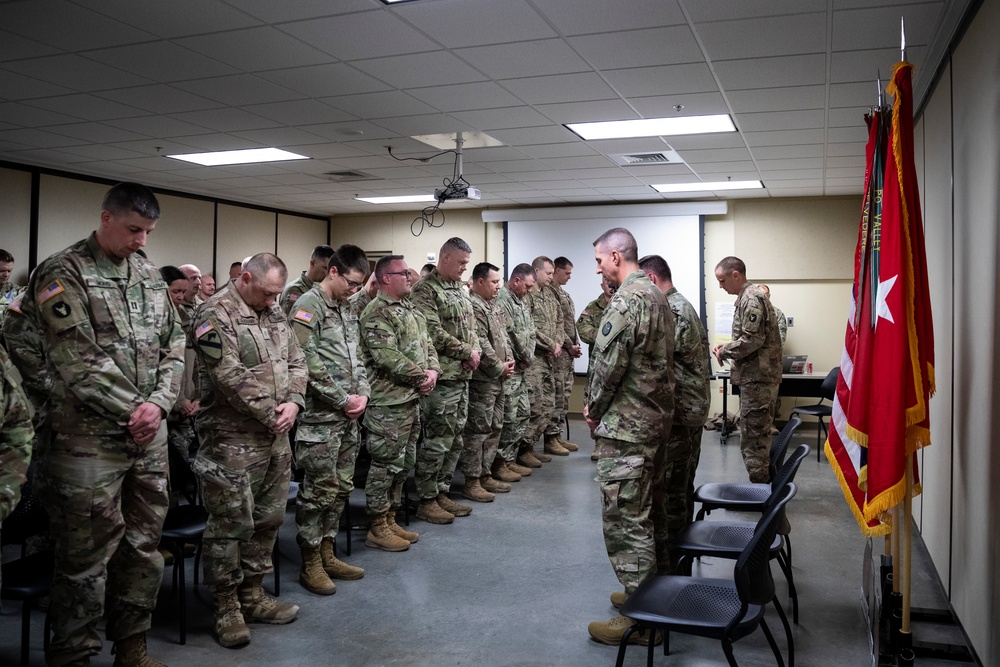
[(61, 309), (303, 316), (606, 329), (133, 306)]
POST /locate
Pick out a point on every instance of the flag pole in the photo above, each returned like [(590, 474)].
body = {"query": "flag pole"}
[(907, 542)]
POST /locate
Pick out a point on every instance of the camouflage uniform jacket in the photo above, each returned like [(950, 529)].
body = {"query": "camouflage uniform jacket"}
[(692, 397), (16, 434), (520, 327), (568, 311), (630, 390), (756, 346), (547, 315), (359, 301), (24, 345), (328, 332), (249, 364), (491, 326), (782, 323), (451, 325), (189, 387), (590, 320), (8, 292), (294, 290), (396, 350), (111, 338)]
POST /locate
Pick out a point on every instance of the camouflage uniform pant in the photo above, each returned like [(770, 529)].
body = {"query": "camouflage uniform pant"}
[(326, 453), (631, 478), (693, 460), (392, 433), (541, 394), (244, 480), (106, 497), (562, 379), (516, 412), (679, 484), (756, 420), (180, 436), (482, 428), (444, 413)]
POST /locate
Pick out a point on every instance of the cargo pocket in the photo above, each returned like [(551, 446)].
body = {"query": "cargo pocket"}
[(618, 478), (227, 498)]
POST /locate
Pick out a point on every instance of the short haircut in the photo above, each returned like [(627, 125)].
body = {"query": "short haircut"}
[(171, 273), (540, 262), (620, 240), (348, 258), (427, 269), (657, 266), (131, 197), (482, 271), (562, 263), (6, 256), (382, 266), (322, 252), (522, 271), (455, 244), (236, 264), (730, 264), (263, 263)]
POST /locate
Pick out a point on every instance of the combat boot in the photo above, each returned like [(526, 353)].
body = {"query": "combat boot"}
[(230, 628), (397, 530), (523, 471), (131, 652), (595, 456), (493, 485), (449, 505), (552, 446), (541, 458), (380, 537), (611, 632), (313, 576), (334, 567), (527, 460), (431, 512), (571, 446), (473, 490), (618, 599), (502, 472), (259, 607)]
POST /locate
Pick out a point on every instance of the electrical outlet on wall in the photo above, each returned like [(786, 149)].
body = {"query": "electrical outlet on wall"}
[(791, 322)]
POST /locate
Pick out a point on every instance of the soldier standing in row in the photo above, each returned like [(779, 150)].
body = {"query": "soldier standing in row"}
[(116, 356), (588, 325), (16, 434), (402, 366), (253, 381), (549, 335), (755, 351), (562, 366), (318, 262), (328, 438), (629, 407), (8, 290), (513, 301)]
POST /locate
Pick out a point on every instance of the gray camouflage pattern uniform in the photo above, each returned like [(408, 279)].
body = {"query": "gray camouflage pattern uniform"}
[(27, 352), (486, 402), (692, 399), (327, 440), (8, 292), (451, 325), (397, 353), (546, 313), (16, 434), (631, 395), (249, 364), (588, 325), (521, 336), (294, 290), (112, 343), (756, 354), (180, 429), (562, 366)]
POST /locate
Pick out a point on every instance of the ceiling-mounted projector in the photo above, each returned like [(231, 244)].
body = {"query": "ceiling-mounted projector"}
[(457, 192)]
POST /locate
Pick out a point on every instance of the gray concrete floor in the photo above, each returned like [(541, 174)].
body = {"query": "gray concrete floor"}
[(516, 583)]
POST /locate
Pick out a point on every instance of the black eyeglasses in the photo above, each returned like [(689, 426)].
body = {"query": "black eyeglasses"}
[(354, 285), (396, 273)]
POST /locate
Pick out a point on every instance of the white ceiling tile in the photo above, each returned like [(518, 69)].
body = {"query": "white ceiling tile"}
[(725, 168), (238, 90), (726, 10), (878, 27), (790, 163), (782, 152), (325, 80), (669, 79), (474, 22), (225, 120), (846, 149), (516, 166), (850, 66), (362, 35), (577, 17), (159, 98), (715, 155), (466, 96), (568, 149), (538, 58), (18, 114), (176, 18), (75, 72), (15, 47), (808, 191), (550, 134), (299, 112), (15, 86), (281, 136), (38, 138), (625, 190), (149, 147), (578, 112), (653, 172), (410, 126), (703, 141), (98, 152), (157, 126), (420, 70), (847, 116), (96, 132), (585, 162), (695, 104), (782, 120), (763, 37), (621, 182), (790, 175), (255, 49), (639, 48), (348, 131), (844, 172), (778, 99), (590, 174), (633, 145), (66, 26), (330, 151), (213, 142), (89, 107), (784, 137), (847, 134), (841, 190), (486, 120), (585, 86), (162, 61), (385, 104), (854, 161), (857, 181), (772, 72)]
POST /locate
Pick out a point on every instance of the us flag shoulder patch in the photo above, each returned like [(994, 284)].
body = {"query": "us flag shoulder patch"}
[(203, 329), (303, 316), (50, 291), (15, 305)]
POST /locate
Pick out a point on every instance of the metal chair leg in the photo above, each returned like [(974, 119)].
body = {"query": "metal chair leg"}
[(788, 631), (622, 645), (772, 643), (25, 630), (792, 593)]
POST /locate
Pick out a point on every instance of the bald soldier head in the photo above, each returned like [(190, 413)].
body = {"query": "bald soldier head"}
[(193, 274), (262, 280)]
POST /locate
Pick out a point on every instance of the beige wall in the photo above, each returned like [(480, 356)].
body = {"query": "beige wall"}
[(242, 232), (184, 233), (297, 237), (15, 215), (68, 211)]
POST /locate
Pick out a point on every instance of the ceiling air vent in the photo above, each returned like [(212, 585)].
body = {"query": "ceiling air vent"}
[(637, 159), (349, 176)]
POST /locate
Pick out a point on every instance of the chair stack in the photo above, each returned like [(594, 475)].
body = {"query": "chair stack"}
[(820, 410)]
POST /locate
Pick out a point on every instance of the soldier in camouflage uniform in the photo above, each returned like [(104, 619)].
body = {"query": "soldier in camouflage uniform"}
[(252, 377), (562, 366), (782, 322), (115, 352), (755, 351), (318, 262), (16, 434), (513, 300), (25, 348), (588, 324), (692, 398), (546, 313), (328, 438), (630, 405), (180, 421), (442, 300), (485, 422), (193, 297), (8, 290), (402, 365)]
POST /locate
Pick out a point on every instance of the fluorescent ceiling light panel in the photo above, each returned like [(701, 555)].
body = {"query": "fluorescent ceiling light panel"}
[(708, 186), (653, 127), (247, 156), (401, 199), (446, 142)]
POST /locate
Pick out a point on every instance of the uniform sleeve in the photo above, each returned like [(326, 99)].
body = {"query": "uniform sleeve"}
[(16, 434), (611, 356), (170, 374), (754, 322), (321, 383), (447, 345), (379, 338), (586, 324), (538, 317), (568, 319), (24, 345), (298, 374), (488, 362), (782, 324)]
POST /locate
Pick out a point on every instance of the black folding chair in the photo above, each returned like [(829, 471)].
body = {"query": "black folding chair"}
[(828, 390)]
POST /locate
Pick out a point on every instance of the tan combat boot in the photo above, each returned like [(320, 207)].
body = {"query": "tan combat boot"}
[(336, 568), (611, 632), (553, 447), (474, 491), (523, 471), (230, 628), (312, 576), (397, 530), (380, 537), (542, 458), (259, 607), (618, 599), (527, 460), (500, 471), (571, 446), (449, 505), (431, 512), (131, 652), (494, 485)]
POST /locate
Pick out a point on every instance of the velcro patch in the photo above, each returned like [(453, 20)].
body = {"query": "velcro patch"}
[(203, 329), (15, 305), (62, 309), (210, 344), (303, 316), (50, 291)]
